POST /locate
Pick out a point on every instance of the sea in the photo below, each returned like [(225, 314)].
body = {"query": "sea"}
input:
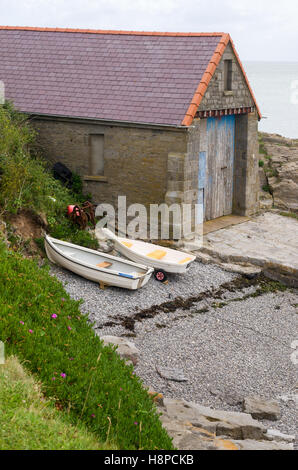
[(275, 85)]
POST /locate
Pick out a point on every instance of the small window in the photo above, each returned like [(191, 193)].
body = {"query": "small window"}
[(228, 75), (97, 155)]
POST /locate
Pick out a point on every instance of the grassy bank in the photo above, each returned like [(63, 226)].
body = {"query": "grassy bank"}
[(28, 421), (44, 327)]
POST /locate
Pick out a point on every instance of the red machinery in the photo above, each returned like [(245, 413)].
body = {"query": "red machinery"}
[(83, 215)]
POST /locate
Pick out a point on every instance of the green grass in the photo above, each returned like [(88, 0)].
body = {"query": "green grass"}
[(88, 380), (262, 147), (292, 215), (271, 172), (263, 150), (28, 421), (267, 188)]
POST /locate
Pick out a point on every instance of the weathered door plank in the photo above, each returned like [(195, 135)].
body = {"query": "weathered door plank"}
[(219, 167)]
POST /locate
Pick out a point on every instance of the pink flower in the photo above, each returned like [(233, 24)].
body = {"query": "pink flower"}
[(136, 423), (69, 328), (22, 323), (63, 375), (71, 358), (30, 331), (62, 300), (54, 315), (69, 318), (93, 415), (53, 378)]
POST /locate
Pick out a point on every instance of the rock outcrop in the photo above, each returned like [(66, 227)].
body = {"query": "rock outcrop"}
[(196, 427), (279, 175)]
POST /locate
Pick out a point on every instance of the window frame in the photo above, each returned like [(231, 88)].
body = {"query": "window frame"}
[(92, 176), (228, 75), (91, 164)]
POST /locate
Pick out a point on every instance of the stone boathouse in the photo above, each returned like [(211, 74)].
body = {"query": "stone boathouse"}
[(157, 117)]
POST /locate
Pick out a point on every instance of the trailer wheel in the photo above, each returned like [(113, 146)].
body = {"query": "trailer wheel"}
[(160, 276)]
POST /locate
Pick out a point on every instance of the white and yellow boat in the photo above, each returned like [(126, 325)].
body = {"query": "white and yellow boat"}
[(163, 260)]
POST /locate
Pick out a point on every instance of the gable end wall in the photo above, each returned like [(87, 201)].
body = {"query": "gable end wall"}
[(215, 97)]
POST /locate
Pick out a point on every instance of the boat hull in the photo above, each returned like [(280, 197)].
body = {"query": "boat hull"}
[(174, 261), (167, 267), (94, 274)]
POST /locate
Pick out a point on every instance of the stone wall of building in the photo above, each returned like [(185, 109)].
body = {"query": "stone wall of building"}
[(252, 203), (182, 177), (246, 166), (136, 159), (216, 97)]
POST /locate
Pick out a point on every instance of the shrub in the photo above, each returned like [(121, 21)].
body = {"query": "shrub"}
[(261, 163), (77, 189), (15, 132), (271, 172), (67, 231), (26, 182), (44, 327), (267, 188)]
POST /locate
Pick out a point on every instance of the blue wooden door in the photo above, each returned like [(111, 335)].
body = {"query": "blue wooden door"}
[(218, 189)]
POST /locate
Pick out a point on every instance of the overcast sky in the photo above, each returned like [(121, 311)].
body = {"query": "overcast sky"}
[(261, 29)]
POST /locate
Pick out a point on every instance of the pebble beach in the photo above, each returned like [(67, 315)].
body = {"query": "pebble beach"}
[(227, 343)]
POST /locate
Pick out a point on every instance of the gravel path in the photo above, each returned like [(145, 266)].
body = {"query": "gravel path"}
[(226, 349)]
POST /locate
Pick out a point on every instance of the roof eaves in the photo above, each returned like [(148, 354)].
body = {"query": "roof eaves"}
[(104, 121)]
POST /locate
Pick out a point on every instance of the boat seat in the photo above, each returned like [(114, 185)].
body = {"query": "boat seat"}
[(185, 260), (128, 244), (104, 264), (157, 254)]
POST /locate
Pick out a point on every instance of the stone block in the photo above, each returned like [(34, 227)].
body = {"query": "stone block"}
[(260, 408), (126, 349)]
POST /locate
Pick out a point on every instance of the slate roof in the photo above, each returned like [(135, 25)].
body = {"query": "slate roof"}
[(141, 77)]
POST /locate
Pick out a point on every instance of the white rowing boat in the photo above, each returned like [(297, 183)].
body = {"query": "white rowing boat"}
[(99, 267), (164, 260)]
